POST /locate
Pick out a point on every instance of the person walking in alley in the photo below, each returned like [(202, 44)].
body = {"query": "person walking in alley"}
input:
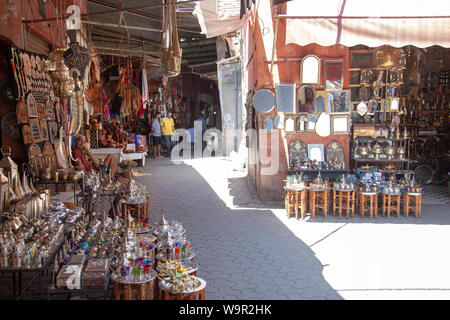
[(168, 126), (156, 133)]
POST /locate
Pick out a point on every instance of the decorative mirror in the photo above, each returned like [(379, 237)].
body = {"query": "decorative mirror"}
[(310, 70), (264, 100), (321, 101), (278, 121), (306, 99), (297, 153), (315, 152), (302, 123), (334, 74), (285, 96), (341, 101), (268, 123), (340, 124), (361, 108), (44, 130), (312, 119), (323, 125), (289, 125), (36, 130), (335, 152), (394, 104)]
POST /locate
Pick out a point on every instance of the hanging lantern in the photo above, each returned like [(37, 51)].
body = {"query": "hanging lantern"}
[(76, 56), (62, 82), (170, 52)]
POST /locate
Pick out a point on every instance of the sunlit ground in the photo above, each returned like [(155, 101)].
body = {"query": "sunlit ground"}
[(401, 258)]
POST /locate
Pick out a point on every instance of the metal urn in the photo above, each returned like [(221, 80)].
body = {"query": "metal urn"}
[(390, 152)]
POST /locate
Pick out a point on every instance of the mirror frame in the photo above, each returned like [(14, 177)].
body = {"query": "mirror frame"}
[(301, 116), (334, 61), (316, 145), (318, 69), (310, 115), (264, 123), (298, 96), (333, 118), (293, 118)]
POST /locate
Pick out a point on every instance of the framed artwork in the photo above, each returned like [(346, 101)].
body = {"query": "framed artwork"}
[(334, 74), (321, 104), (44, 130), (297, 153), (22, 112), (36, 130), (53, 132), (341, 101), (42, 111), (335, 152), (339, 124), (355, 77), (27, 134), (50, 109), (315, 152), (361, 59), (32, 106), (306, 99)]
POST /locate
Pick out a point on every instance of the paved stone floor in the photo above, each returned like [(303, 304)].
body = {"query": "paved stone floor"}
[(250, 250)]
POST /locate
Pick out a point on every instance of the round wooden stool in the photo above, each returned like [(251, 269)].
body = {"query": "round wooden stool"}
[(368, 202), (412, 201), (344, 201), (135, 290), (319, 199), (197, 294), (391, 203), (295, 199)]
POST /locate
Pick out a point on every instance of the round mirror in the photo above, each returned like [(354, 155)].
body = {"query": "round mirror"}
[(323, 125), (264, 100)]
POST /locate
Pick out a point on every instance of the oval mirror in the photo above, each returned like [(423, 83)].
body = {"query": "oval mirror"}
[(264, 100), (323, 125)]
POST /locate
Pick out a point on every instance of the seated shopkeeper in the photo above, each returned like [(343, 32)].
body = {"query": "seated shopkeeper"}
[(83, 157)]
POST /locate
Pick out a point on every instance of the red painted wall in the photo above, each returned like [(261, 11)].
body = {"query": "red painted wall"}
[(270, 187), (11, 20)]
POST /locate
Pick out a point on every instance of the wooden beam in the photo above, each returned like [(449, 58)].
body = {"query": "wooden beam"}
[(146, 7), (122, 26)]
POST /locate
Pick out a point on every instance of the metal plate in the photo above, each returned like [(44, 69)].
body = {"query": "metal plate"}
[(264, 100), (9, 126), (423, 174)]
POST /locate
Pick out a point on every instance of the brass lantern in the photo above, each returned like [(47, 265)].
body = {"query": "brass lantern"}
[(59, 73)]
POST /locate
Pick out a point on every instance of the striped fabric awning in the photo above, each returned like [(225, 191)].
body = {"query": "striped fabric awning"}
[(373, 23)]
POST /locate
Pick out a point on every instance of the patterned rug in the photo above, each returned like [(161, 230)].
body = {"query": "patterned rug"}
[(435, 194)]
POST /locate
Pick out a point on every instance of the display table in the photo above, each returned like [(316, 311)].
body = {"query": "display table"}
[(135, 156), (133, 289), (296, 199), (49, 182), (412, 201), (319, 199), (368, 202), (102, 153), (344, 200)]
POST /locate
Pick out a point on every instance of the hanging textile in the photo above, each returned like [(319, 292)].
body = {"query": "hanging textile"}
[(144, 88)]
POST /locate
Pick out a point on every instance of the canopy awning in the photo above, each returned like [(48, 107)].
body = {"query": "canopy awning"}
[(397, 23), (217, 17)]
